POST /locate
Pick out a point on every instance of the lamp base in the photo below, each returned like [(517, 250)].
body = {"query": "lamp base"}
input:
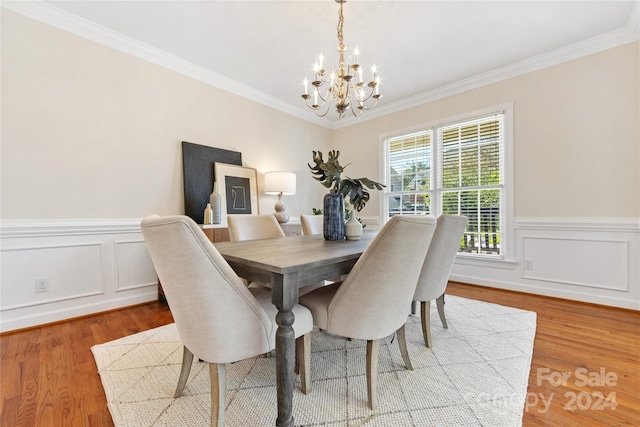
[(282, 217), (281, 211)]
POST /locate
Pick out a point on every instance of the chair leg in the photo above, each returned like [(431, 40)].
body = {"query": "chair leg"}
[(440, 305), (373, 355), (414, 304), (296, 363), (187, 360), (402, 343), (218, 387), (425, 315), (303, 362)]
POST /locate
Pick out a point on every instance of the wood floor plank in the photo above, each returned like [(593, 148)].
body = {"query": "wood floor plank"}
[(48, 377)]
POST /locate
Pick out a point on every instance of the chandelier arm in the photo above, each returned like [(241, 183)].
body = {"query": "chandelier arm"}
[(364, 107), (306, 101), (326, 96), (368, 97), (320, 106), (328, 104)]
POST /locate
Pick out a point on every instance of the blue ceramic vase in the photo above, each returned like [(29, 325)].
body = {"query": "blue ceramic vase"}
[(333, 210)]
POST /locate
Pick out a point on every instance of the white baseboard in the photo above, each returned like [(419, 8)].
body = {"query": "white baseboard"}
[(11, 322)]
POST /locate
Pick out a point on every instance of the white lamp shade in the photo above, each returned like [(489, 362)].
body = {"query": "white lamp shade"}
[(280, 182)]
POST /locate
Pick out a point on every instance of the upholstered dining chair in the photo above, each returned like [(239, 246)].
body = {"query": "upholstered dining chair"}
[(314, 224), (372, 302), (253, 227), (218, 318), (311, 224), (437, 268)]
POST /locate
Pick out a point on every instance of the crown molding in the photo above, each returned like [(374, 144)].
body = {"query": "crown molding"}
[(59, 18), (628, 34), (74, 24)]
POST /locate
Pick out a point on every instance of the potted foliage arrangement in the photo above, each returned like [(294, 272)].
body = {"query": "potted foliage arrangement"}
[(329, 174)]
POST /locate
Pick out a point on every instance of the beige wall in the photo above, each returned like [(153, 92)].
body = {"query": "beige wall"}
[(576, 135), (91, 132)]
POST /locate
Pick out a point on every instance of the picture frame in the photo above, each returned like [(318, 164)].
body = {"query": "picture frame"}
[(238, 188)]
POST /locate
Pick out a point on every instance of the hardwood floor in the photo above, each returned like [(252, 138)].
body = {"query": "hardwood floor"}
[(48, 375), (592, 343)]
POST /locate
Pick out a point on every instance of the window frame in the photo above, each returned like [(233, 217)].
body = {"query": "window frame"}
[(506, 258)]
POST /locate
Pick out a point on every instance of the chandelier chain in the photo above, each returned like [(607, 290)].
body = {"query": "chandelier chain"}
[(340, 25)]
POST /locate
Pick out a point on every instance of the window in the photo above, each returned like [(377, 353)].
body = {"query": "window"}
[(454, 167)]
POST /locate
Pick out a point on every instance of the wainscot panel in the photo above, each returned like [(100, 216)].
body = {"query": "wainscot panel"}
[(593, 260), (88, 266)]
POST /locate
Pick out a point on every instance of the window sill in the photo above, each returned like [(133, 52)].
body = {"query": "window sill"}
[(503, 264)]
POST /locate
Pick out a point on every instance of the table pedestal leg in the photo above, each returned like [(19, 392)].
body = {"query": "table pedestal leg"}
[(284, 296), (285, 358)]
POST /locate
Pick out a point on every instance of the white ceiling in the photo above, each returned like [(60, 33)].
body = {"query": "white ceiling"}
[(265, 48)]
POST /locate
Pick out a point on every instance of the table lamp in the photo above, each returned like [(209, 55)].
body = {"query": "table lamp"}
[(280, 183)]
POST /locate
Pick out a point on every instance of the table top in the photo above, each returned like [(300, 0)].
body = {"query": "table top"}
[(285, 255)]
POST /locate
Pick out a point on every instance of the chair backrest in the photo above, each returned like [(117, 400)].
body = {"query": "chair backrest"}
[(311, 224), (372, 301), (440, 257), (217, 317), (253, 227)]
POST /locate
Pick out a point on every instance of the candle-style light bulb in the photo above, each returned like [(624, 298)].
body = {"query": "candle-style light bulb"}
[(373, 72), (356, 52), (321, 60), (305, 82)]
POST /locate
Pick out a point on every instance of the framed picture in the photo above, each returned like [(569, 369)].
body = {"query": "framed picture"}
[(238, 188)]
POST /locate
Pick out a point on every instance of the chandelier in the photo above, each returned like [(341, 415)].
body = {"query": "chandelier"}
[(345, 87)]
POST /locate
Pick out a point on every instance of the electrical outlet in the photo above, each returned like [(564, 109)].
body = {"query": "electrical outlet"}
[(528, 264), (42, 284)]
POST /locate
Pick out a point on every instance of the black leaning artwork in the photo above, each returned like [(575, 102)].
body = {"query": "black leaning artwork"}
[(198, 161)]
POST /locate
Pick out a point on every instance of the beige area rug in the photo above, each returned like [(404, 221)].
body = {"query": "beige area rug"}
[(475, 375)]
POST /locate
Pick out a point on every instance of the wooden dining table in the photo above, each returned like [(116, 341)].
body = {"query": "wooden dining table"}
[(288, 263)]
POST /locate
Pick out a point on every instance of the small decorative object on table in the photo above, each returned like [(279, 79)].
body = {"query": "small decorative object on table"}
[(208, 215), (329, 174), (215, 200), (353, 228)]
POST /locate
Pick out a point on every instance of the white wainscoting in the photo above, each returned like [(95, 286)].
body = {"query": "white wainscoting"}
[(593, 260), (98, 265), (90, 265)]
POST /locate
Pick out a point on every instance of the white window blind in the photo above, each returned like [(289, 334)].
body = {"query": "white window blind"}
[(469, 178), (409, 160)]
